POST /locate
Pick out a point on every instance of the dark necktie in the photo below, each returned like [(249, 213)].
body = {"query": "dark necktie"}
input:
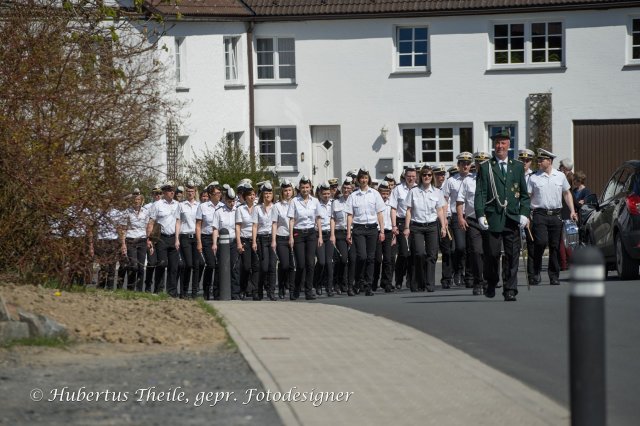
[(503, 167)]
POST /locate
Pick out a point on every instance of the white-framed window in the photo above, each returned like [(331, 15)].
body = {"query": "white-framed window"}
[(495, 128), (231, 68), (435, 144), (412, 48), (634, 42), (180, 60), (276, 59), (278, 147), (527, 44)]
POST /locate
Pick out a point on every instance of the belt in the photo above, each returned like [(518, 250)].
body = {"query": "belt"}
[(425, 224), (304, 231), (168, 235), (264, 236), (365, 226), (190, 236), (135, 240), (552, 212), (282, 238), (325, 233)]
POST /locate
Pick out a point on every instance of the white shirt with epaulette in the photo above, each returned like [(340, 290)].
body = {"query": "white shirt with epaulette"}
[(365, 206), (324, 211), (165, 213), (303, 212), (546, 189), (188, 213), (279, 217), (205, 213), (396, 200), (262, 217), (467, 194), (424, 203), (225, 218), (135, 222)]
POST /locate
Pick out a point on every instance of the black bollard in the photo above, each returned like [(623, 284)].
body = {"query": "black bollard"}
[(586, 338), (224, 264)]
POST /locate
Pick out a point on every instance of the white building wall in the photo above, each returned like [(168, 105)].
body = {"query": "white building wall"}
[(345, 76)]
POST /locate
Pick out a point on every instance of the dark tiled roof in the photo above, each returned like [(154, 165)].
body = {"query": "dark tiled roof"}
[(222, 8), (327, 8)]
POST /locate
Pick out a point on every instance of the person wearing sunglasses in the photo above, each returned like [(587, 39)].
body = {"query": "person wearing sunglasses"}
[(425, 209)]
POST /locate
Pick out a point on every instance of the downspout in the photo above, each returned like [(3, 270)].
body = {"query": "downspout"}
[(252, 133)]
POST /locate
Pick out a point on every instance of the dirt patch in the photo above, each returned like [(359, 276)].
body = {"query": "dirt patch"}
[(101, 316)]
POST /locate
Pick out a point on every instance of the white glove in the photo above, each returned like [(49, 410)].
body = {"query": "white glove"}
[(524, 221), (483, 223)]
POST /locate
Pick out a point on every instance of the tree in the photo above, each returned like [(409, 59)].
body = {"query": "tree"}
[(82, 102)]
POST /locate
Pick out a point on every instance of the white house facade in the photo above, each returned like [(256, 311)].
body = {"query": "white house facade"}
[(318, 91)]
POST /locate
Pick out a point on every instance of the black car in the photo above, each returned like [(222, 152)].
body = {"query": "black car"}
[(613, 223)]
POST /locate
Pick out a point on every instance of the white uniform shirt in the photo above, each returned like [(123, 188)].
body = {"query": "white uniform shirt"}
[(262, 217), (303, 213), (527, 176), (467, 195), (546, 189), (165, 214), (225, 218), (135, 222), (188, 213), (107, 223), (397, 198), (324, 211), (424, 204), (387, 216), (339, 213), (245, 218), (450, 190), (365, 206), (205, 213), (279, 215)]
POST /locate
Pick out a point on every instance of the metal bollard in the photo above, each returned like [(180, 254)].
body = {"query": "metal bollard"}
[(586, 338), (224, 264)]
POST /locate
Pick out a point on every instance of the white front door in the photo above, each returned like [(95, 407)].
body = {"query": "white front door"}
[(325, 143)]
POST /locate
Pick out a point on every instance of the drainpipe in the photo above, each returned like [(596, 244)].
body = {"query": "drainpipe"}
[(252, 133)]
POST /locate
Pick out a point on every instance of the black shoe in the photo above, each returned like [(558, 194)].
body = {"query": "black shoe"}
[(533, 282), (271, 297), (310, 297), (350, 293), (281, 293), (446, 286), (398, 286), (329, 294), (478, 290), (510, 296), (431, 289), (369, 293), (490, 292), (555, 283)]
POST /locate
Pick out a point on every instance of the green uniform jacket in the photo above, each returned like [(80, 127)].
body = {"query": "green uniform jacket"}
[(513, 188)]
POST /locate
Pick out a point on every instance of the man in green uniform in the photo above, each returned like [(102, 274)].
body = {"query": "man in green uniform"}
[(502, 206)]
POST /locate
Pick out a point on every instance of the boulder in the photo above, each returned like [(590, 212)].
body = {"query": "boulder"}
[(42, 326), (13, 330), (4, 312)]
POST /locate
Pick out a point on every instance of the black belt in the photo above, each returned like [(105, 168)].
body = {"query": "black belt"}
[(325, 233), (168, 235), (365, 226), (304, 231), (264, 236), (282, 238), (425, 224), (135, 240), (190, 236), (552, 212)]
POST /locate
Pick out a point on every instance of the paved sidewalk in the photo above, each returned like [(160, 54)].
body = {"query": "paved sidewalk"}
[(398, 375)]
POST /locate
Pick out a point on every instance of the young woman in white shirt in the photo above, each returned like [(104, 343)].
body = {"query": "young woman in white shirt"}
[(261, 235), (249, 263)]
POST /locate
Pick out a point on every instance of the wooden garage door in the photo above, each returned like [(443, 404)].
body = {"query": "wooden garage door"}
[(600, 146)]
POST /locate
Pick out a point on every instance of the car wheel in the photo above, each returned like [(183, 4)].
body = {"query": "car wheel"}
[(626, 266)]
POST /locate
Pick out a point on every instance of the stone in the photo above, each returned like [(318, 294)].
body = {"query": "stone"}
[(36, 328), (4, 312), (53, 328), (13, 330)]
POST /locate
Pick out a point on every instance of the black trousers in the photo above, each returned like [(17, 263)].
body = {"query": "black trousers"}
[(107, 254), (168, 259), (152, 261), (404, 261), (286, 272), (323, 271), (345, 266), (268, 261), (304, 247), (474, 251), (383, 268), (136, 255), (249, 269), (492, 245), (191, 259), (424, 245), (364, 239), (547, 231), (210, 263), (460, 264), (445, 246)]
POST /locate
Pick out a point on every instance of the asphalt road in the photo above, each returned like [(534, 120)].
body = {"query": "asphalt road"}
[(527, 339)]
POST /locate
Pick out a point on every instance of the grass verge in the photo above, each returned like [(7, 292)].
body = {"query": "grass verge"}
[(50, 342), (212, 311)]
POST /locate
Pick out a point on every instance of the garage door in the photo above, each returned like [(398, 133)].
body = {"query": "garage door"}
[(600, 146)]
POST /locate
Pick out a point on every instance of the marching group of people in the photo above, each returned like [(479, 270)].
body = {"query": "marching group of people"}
[(350, 235)]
